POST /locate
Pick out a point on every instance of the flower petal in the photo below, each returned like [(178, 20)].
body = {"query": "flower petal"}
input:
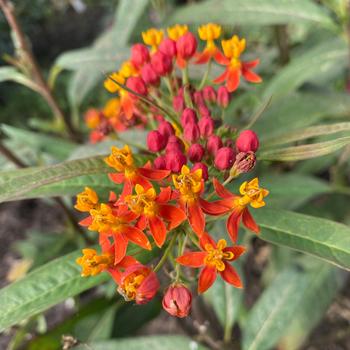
[(158, 230), (221, 58), (154, 174), (196, 218), (237, 251), (192, 259), (86, 222), (203, 57), (118, 178), (251, 64), (221, 190), (231, 276), (206, 239), (174, 215), (221, 78), (249, 221), (250, 76), (120, 245), (137, 236), (206, 279), (213, 208), (233, 78), (165, 195), (232, 223)]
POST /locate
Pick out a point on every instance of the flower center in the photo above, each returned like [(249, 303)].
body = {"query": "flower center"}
[(128, 289), (216, 255), (92, 264)]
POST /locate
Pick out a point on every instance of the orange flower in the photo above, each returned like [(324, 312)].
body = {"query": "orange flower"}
[(87, 200), (251, 194), (122, 161), (208, 32), (93, 264), (153, 211), (152, 37), (233, 48), (214, 258)]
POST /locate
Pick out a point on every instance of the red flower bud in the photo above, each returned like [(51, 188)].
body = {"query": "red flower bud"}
[(160, 163), (203, 110), (223, 98), (247, 141), (206, 126), (178, 103), (155, 141), (177, 301), (161, 63), (196, 153), (139, 283), (245, 161), (166, 129), (214, 144), (188, 116), (205, 174), (138, 85), (191, 132), (186, 46), (175, 160), (198, 98), (139, 55), (224, 158), (209, 94), (168, 47), (149, 75)]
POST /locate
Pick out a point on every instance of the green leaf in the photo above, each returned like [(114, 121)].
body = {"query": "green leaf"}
[(159, 342), (280, 302), (12, 74), (291, 154), (252, 12), (322, 238), (15, 184), (306, 133), (314, 62), (47, 286)]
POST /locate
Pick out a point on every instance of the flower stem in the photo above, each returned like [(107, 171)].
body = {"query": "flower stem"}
[(205, 76), (166, 253)]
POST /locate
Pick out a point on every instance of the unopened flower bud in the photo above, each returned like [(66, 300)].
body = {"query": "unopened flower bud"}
[(136, 84), (186, 46), (206, 126), (166, 129), (174, 144), (196, 153), (139, 55), (149, 75), (245, 162), (191, 132), (178, 103), (155, 141), (177, 300), (161, 63), (205, 174), (209, 94), (224, 158), (223, 98), (214, 144), (188, 116), (198, 98), (175, 160), (168, 46), (160, 163), (247, 141)]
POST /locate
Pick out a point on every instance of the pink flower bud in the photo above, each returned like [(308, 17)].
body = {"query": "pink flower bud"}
[(160, 163), (161, 63), (191, 132), (177, 301), (175, 160), (206, 126), (209, 94), (174, 144), (188, 116), (139, 55), (186, 46), (247, 141), (224, 158), (245, 162), (214, 144), (178, 103), (196, 153), (223, 98), (198, 98), (166, 129), (149, 75), (155, 141), (138, 85), (168, 47), (205, 174)]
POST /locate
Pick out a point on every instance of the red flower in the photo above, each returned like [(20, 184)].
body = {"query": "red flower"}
[(213, 259), (177, 300)]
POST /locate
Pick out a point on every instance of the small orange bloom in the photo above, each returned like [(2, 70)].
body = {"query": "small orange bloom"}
[(93, 264), (214, 258), (152, 37), (208, 32), (87, 200)]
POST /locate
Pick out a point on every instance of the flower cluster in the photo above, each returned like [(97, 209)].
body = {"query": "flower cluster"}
[(165, 201)]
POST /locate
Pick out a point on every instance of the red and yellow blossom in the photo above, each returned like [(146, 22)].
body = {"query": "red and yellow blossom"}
[(154, 212), (233, 48), (123, 162), (209, 33), (213, 259), (87, 200), (152, 37), (93, 264), (177, 31), (251, 194)]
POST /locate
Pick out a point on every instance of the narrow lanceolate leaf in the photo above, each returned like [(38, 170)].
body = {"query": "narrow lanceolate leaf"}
[(26, 180), (292, 154), (302, 134), (159, 342), (273, 313), (233, 12), (303, 68), (47, 286), (322, 238)]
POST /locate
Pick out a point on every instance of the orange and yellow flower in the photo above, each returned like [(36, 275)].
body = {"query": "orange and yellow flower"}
[(152, 37), (177, 31), (209, 33)]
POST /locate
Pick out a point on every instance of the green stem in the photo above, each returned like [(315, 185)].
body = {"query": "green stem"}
[(205, 76), (168, 84), (166, 253)]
